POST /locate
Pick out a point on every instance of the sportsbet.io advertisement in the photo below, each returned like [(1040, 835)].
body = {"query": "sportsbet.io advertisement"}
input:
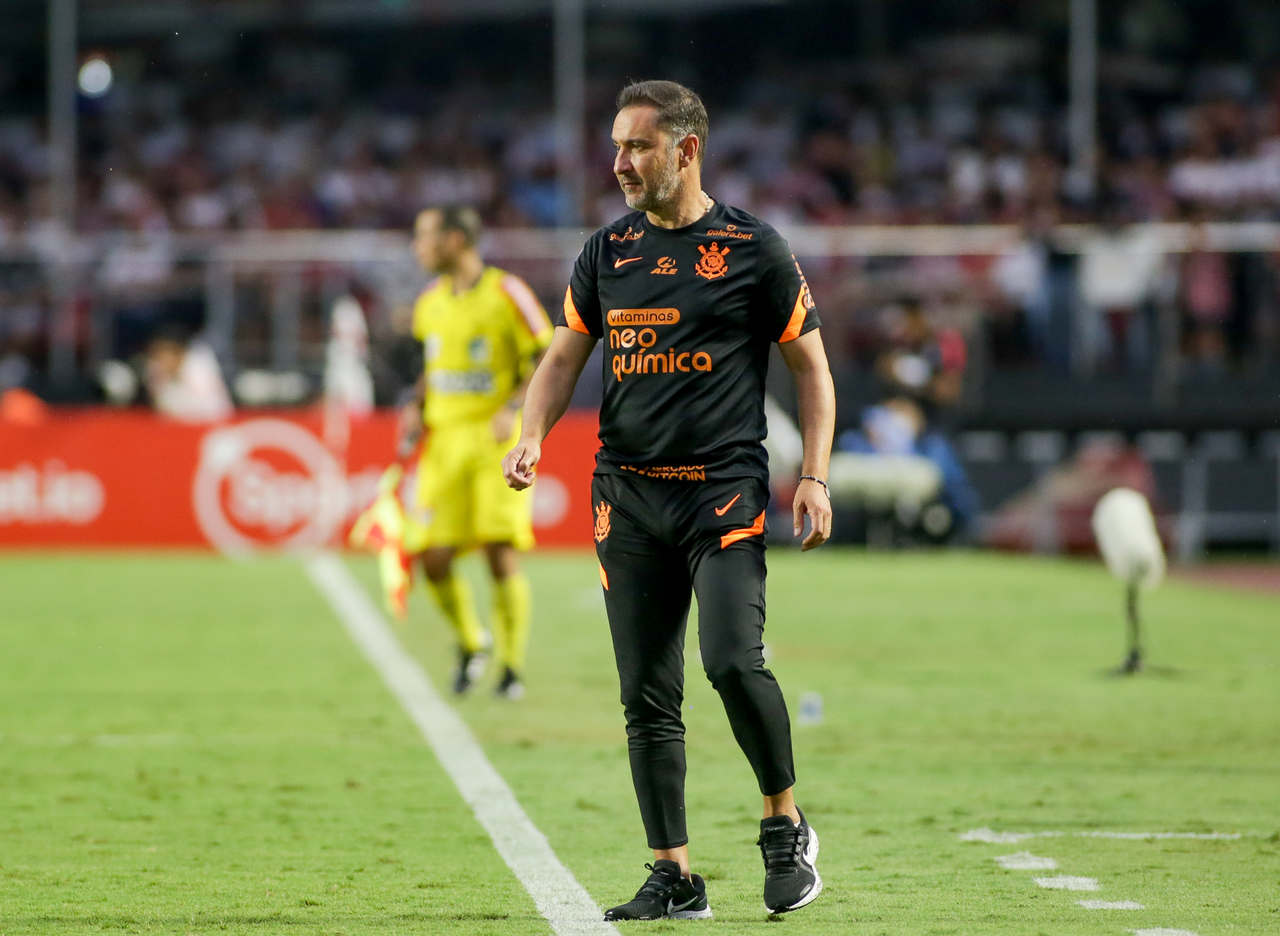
[(261, 481)]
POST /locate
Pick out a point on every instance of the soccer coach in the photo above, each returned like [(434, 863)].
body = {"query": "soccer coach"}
[(688, 295)]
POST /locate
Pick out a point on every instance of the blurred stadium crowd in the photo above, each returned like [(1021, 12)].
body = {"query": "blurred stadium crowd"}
[(946, 123), (959, 133)]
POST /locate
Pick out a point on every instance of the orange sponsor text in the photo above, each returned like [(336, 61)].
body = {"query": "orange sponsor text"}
[(669, 472), (645, 361), (643, 316), (635, 332)]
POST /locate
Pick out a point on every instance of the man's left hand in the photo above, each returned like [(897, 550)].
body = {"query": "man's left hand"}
[(811, 499)]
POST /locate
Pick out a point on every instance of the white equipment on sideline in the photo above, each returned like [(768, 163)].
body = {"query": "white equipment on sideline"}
[(902, 483), (904, 486), (1126, 534)]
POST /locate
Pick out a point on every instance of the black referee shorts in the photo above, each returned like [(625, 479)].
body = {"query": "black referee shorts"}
[(660, 542)]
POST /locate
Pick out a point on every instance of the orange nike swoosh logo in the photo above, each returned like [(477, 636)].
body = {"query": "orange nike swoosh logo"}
[(721, 511), (623, 261)]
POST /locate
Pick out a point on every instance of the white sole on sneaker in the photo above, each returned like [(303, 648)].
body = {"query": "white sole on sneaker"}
[(811, 859), (690, 915)]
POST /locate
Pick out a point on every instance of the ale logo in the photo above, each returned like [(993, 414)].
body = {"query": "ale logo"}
[(267, 483)]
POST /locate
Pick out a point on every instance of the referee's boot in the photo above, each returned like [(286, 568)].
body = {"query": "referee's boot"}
[(510, 687), (790, 853), (666, 895), (470, 668)]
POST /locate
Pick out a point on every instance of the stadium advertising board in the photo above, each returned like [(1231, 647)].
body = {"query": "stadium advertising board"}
[(97, 478)]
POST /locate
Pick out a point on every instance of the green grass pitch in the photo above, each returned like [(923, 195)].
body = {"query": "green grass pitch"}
[(193, 745)]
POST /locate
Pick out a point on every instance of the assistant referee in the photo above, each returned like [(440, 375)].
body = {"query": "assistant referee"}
[(689, 295)]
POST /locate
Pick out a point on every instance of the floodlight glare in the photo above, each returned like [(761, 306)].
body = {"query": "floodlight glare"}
[(95, 77)]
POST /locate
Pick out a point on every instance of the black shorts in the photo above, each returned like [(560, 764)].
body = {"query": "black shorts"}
[(652, 535)]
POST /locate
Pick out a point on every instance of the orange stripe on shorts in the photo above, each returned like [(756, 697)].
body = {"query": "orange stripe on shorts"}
[(756, 528)]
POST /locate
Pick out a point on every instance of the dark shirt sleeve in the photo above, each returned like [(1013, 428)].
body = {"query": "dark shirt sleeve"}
[(785, 306), (581, 308)]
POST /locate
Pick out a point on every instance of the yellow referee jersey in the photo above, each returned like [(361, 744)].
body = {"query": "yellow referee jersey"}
[(477, 345)]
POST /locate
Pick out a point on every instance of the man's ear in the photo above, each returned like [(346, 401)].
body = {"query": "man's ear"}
[(690, 149)]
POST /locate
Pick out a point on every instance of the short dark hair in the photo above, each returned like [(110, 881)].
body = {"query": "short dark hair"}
[(461, 218), (680, 110)]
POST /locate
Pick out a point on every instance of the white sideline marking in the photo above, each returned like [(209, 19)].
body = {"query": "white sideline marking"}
[(1161, 931), (1111, 905), (1025, 861), (1066, 882), (1161, 835), (556, 893), (991, 836)]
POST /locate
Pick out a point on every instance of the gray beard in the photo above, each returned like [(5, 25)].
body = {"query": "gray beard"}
[(664, 193)]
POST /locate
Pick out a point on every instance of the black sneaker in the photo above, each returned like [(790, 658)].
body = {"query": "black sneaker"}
[(470, 668), (665, 895), (509, 687), (790, 872), (689, 900)]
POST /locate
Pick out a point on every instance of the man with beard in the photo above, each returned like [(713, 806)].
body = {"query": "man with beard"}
[(689, 295)]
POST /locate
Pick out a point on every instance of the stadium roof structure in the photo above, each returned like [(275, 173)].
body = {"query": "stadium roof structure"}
[(106, 19)]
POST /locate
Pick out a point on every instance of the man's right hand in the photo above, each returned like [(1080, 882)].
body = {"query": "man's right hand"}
[(521, 463)]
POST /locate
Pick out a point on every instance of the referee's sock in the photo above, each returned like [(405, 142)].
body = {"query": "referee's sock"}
[(512, 609), (453, 595)]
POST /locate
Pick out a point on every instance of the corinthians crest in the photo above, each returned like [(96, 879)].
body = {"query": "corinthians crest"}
[(712, 265), (602, 521)]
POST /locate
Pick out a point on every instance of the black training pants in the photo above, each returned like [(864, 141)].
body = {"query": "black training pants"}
[(660, 542)]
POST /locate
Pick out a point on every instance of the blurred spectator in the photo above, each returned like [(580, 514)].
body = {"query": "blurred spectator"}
[(348, 384), (922, 365), (921, 372), (1207, 300), (1118, 269), (1020, 320), (22, 324), (136, 273), (183, 379)]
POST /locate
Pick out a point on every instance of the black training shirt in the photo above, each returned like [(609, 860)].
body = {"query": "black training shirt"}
[(687, 317)]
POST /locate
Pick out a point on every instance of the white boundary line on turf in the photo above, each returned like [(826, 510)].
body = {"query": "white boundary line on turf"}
[(992, 837), (1068, 882), (1025, 861), (556, 893)]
